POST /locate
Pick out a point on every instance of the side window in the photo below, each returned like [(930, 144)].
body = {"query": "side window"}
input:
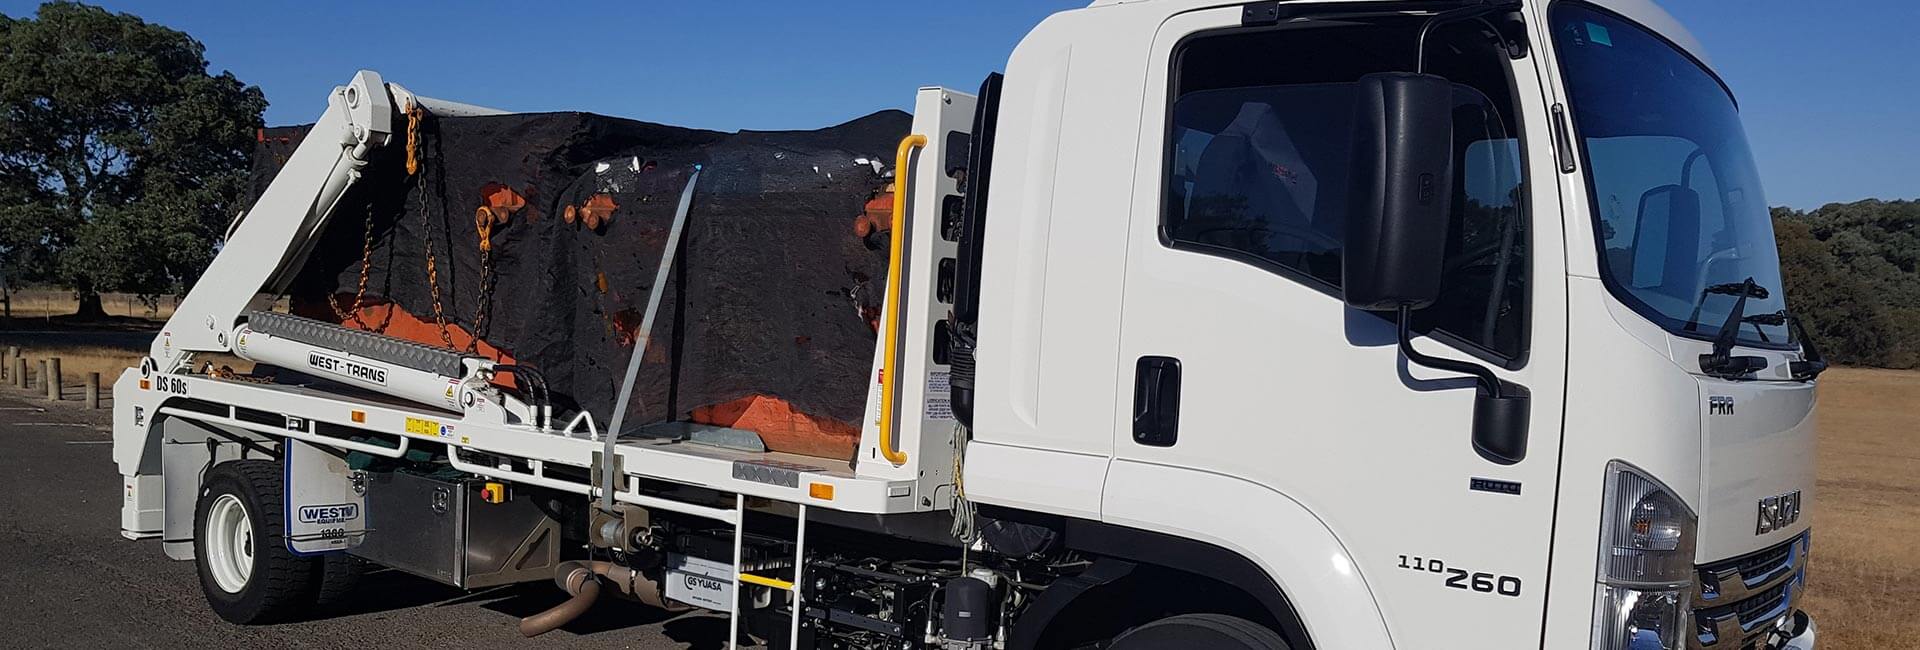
[(1258, 157)]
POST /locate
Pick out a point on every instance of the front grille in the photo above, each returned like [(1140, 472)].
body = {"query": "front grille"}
[(1738, 600), (1764, 561)]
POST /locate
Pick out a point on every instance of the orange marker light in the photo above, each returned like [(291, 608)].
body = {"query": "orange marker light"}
[(821, 491), (359, 417), (146, 384)]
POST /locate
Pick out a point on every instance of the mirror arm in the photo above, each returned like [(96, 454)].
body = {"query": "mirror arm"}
[(1488, 381), (1473, 12)]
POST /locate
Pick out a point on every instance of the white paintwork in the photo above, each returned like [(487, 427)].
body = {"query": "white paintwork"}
[(1302, 397), (924, 426), (1291, 541), (1306, 444), (1644, 12), (1635, 394), (229, 533), (1805, 640), (318, 479), (1038, 479), (1291, 392), (486, 432), (420, 387), (1764, 449)]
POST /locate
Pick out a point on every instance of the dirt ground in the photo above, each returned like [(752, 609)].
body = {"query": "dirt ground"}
[(1864, 580)]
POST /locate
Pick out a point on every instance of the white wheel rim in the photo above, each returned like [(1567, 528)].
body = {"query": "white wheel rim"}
[(229, 536)]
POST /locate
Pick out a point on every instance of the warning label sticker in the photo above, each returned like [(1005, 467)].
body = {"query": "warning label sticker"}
[(939, 396), (420, 427)]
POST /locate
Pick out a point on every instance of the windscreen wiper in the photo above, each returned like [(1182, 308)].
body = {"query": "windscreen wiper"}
[(1811, 362), (1721, 362), (1774, 319), (1742, 289)]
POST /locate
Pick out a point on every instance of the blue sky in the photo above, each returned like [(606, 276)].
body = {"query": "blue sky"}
[(1830, 91)]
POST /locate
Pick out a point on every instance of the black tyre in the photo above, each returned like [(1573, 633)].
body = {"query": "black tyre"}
[(338, 574), (1212, 631), (246, 571)]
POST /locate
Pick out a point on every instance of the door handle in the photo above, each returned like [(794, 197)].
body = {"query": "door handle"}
[(1156, 401)]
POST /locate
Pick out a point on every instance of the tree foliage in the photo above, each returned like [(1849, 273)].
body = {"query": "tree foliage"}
[(121, 158), (1853, 274)]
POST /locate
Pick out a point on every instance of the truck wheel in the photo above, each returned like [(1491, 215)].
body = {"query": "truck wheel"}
[(336, 576), (246, 571), (1216, 631)]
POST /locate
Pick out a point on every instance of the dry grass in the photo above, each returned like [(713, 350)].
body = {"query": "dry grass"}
[(77, 361), (38, 303), (1865, 574)]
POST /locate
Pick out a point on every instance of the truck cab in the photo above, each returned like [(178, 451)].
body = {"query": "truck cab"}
[(1163, 342)]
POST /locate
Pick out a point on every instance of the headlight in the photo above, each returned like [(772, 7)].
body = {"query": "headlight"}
[(1646, 564)]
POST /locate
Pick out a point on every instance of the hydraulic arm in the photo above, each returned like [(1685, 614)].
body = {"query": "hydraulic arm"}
[(268, 243)]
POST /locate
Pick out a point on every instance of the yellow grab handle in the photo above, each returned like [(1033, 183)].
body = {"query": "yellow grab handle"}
[(900, 160)]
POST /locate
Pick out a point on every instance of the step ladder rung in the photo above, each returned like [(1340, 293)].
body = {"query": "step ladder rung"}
[(764, 581), (743, 578)]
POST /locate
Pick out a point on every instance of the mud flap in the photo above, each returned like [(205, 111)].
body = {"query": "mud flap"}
[(326, 501)]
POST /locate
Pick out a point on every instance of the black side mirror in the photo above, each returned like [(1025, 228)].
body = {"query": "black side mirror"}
[(1401, 189), (1668, 218)]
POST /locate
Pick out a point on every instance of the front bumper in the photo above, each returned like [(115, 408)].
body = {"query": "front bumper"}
[(1752, 600), (1803, 640)]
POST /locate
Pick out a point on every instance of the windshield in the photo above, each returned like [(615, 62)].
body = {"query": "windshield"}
[(1676, 198)]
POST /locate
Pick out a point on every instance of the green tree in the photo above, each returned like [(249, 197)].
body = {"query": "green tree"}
[(1853, 275), (121, 158)]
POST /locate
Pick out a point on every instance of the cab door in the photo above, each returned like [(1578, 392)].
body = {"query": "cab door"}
[(1239, 359)]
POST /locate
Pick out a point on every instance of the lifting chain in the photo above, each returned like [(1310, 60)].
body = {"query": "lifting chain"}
[(229, 374), (483, 227), (360, 293), (415, 114)]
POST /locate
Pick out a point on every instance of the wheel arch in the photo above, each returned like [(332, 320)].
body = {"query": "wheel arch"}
[(1265, 539), (1184, 575)]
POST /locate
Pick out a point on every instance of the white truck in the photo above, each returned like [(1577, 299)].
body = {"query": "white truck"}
[(1355, 324)]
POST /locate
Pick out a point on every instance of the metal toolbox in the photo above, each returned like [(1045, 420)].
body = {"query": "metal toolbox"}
[(445, 531)]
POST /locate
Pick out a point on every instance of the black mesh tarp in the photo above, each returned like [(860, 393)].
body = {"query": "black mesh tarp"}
[(772, 295)]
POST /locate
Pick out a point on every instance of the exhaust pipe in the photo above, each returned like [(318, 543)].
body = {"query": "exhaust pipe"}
[(585, 588), (583, 580)]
